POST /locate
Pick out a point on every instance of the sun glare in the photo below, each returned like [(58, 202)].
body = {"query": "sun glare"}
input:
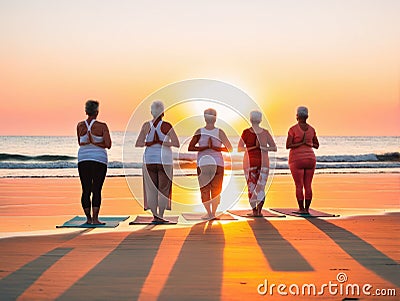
[(224, 112)]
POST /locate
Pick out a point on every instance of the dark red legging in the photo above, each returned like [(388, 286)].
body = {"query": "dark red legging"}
[(302, 173)]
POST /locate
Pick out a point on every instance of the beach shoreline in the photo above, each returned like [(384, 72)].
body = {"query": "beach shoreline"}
[(39, 204), (149, 262)]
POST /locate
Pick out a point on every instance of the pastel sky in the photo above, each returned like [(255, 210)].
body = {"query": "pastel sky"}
[(339, 58)]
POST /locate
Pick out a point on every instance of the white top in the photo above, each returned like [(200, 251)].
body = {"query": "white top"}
[(157, 153), (91, 152), (209, 156)]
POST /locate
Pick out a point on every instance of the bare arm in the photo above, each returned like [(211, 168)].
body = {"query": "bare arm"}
[(315, 142), (225, 141), (106, 138), (192, 144), (241, 146), (257, 146), (271, 146), (140, 141), (78, 134), (290, 144), (174, 139)]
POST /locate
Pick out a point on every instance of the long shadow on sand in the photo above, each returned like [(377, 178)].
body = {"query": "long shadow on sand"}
[(279, 253), (17, 282), (363, 252), (122, 273), (197, 273)]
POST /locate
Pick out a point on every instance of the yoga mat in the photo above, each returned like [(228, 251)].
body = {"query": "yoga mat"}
[(80, 222), (147, 220), (249, 213), (197, 216), (313, 213)]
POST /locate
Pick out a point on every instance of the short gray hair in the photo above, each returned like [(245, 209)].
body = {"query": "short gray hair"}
[(91, 107), (302, 112), (157, 108), (255, 116), (210, 115)]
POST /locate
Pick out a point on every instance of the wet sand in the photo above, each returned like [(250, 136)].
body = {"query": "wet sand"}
[(219, 260)]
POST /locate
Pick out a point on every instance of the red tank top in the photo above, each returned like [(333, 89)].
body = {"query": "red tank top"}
[(249, 138), (303, 151)]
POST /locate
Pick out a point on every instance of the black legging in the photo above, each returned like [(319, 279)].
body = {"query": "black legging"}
[(92, 175)]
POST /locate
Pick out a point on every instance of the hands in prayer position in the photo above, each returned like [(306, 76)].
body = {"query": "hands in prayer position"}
[(210, 144)]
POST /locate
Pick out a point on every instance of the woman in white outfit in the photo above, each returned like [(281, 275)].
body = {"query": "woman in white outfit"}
[(158, 137), (93, 138), (209, 142)]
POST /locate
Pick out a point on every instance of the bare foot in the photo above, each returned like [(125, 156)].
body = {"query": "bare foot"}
[(213, 217), (97, 222), (300, 212), (89, 221), (253, 214), (159, 220), (206, 216)]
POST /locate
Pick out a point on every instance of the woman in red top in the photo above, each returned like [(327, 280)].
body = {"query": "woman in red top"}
[(256, 142), (301, 139)]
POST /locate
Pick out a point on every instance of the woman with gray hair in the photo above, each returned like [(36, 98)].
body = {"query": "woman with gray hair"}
[(158, 137), (302, 161), (209, 142), (93, 138), (256, 142)]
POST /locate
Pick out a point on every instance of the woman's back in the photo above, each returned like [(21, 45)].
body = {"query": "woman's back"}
[(209, 156), (304, 151), (158, 153)]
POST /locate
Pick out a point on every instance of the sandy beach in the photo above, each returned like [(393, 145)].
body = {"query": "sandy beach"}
[(276, 80), (219, 260)]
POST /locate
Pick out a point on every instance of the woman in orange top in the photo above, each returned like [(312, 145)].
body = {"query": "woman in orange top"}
[(301, 139)]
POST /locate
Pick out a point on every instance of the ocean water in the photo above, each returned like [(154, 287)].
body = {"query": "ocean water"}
[(55, 156)]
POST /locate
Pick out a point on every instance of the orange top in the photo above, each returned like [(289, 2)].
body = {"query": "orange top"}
[(304, 151)]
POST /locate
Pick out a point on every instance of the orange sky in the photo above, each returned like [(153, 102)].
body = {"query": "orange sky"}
[(340, 58)]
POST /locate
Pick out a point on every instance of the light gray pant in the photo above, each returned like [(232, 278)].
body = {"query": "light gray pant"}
[(157, 184)]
